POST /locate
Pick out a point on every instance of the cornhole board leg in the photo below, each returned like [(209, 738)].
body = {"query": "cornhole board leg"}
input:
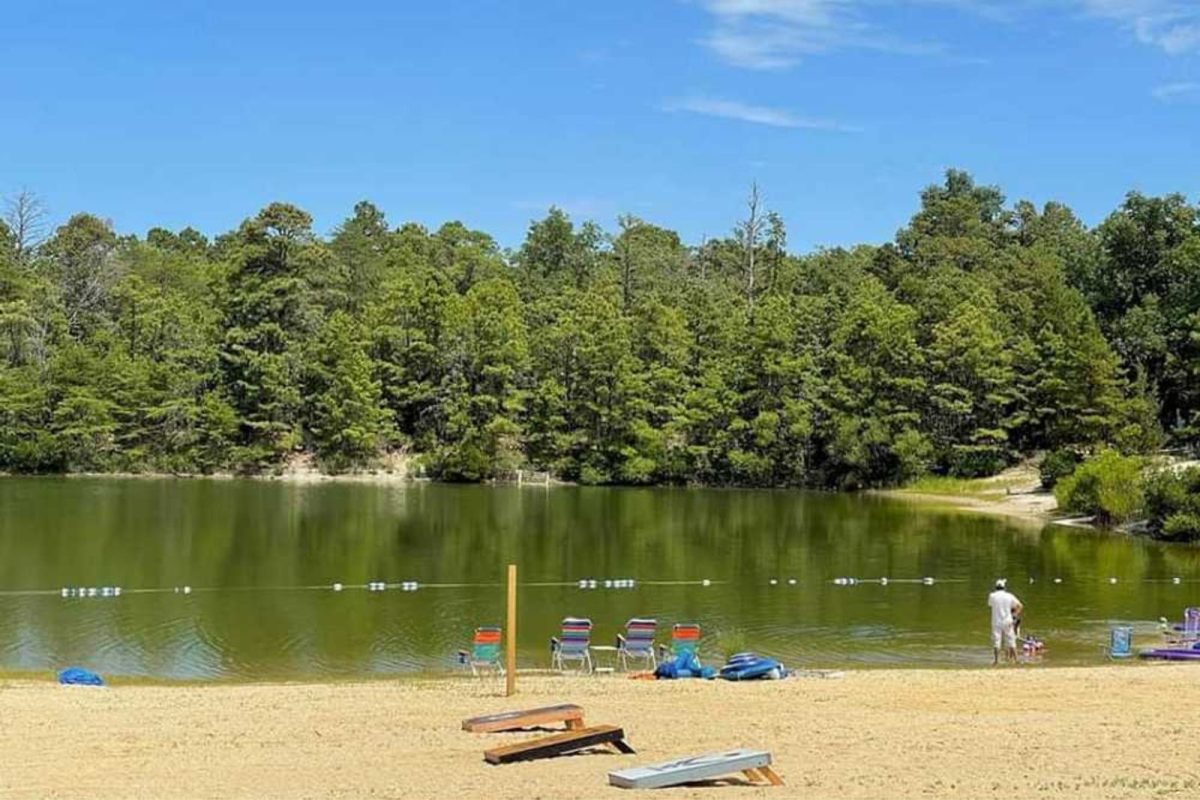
[(771, 776), (754, 764), (763, 774), (567, 713), (559, 744), (622, 747)]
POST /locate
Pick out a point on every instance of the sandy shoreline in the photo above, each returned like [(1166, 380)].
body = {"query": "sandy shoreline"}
[(1016, 493), (1121, 731), (1031, 508)]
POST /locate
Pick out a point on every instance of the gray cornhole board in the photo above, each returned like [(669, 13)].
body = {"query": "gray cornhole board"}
[(689, 770)]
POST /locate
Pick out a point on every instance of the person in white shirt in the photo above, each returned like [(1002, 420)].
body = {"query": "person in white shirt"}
[(1004, 606)]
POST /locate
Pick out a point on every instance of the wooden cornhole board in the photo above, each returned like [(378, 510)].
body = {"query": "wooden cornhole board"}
[(571, 715), (754, 764), (560, 744)]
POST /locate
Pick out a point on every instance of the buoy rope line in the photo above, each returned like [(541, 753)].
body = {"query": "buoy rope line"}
[(587, 584)]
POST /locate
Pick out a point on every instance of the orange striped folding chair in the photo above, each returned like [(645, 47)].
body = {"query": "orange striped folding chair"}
[(685, 638), (484, 655)]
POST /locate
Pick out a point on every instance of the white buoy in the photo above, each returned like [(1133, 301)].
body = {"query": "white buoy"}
[(187, 590), (883, 581), (791, 581), (116, 591), (1112, 580), (1176, 581), (337, 587), (706, 582), (773, 582), (927, 581), (1058, 580), (66, 592)]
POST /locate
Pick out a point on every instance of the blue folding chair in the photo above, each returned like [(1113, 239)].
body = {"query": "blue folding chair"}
[(1120, 642)]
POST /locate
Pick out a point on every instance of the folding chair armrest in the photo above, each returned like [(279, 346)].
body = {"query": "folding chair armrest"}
[(620, 641), (554, 644), (463, 655)]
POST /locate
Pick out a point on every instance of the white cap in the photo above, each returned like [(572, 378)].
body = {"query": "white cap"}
[(1001, 583)]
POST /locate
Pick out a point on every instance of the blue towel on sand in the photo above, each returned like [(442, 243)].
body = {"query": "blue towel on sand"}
[(684, 665), (78, 676)]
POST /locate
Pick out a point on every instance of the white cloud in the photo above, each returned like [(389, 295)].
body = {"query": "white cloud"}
[(745, 112), (1175, 91), (1172, 25), (776, 34)]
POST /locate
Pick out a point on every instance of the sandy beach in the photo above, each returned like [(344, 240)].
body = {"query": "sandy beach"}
[(1120, 731)]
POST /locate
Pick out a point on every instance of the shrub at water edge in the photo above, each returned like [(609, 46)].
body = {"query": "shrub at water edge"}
[(1108, 486)]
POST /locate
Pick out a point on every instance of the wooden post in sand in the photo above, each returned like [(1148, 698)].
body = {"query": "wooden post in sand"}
[(510, 634)]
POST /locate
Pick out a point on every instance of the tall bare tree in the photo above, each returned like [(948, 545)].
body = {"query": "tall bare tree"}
[(26, 215), (624, 245), (749, 231)]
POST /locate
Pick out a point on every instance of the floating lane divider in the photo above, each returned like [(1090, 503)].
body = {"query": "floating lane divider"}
[(404, 586), (587, 584), (630, 583), (91, 591), (926, 581)]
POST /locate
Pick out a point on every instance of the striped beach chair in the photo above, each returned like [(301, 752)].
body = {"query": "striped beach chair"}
[(572, 644), (685, 638), (484, 655), (637, 642)]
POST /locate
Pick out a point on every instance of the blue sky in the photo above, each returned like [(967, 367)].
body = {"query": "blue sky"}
[(153, 113)]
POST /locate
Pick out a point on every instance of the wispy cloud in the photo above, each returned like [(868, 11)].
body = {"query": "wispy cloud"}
[(1169, 92), (746, 112), (1172, 25), (775, 34)]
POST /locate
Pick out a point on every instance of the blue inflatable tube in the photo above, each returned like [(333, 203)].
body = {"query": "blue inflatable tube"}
[(751, 666)]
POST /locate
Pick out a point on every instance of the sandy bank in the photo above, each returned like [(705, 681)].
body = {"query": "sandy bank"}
[(1034, 508), (1015, 493), (1124, 731)]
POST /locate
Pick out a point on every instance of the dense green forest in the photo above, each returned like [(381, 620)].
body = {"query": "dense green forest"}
[(982, 332)]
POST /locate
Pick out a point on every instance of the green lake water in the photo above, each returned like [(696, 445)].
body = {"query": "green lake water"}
[(260, 557)]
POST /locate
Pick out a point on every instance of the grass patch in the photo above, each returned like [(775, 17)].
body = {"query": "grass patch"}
[(982, 488)]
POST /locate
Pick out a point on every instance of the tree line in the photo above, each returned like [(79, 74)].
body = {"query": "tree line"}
[(984, 331)]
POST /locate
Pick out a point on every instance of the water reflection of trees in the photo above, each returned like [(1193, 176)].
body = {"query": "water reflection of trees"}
[(246, 535)]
